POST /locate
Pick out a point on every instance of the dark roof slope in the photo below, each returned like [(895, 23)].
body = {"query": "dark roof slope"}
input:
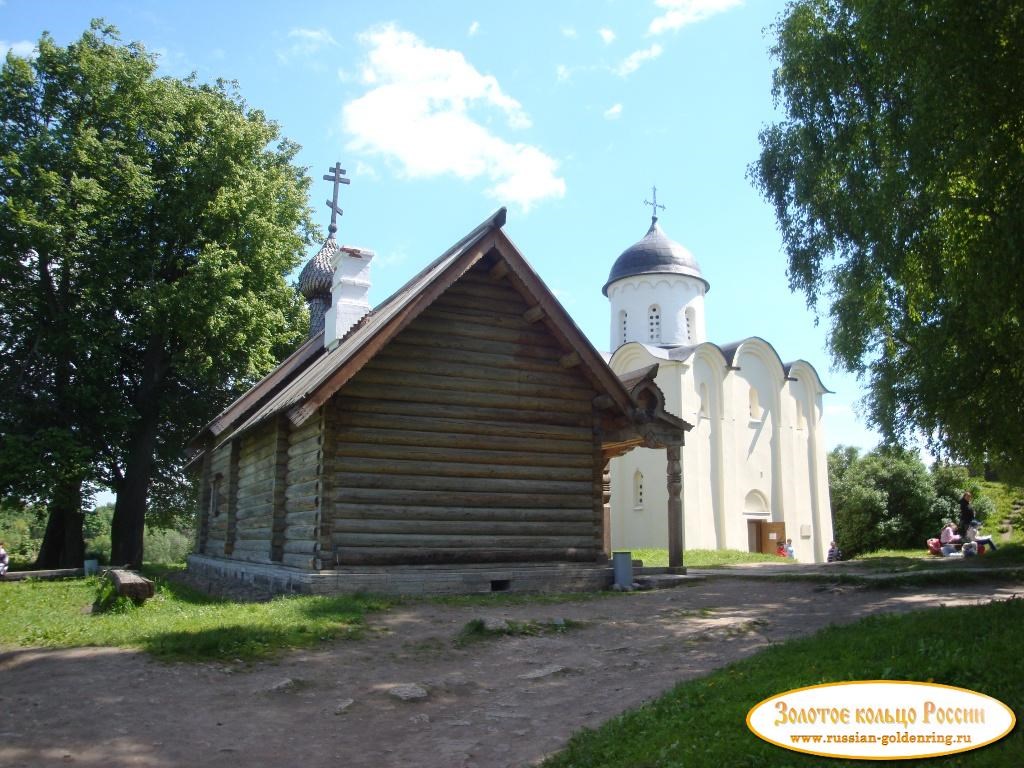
[(301, 389)]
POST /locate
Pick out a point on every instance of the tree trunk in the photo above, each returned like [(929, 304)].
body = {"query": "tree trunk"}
[(63, 545), (129, 523)]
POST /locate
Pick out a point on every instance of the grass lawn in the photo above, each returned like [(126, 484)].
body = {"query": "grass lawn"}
[(177, 624), (702, 722), (705, 558)]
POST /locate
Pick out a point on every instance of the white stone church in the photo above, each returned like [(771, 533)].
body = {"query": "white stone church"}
[(754, 464)]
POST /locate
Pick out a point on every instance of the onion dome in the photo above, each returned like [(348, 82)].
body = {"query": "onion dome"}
[(315, 284), (655, 254)]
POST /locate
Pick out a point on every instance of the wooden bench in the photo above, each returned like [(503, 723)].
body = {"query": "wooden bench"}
[(132, 585)]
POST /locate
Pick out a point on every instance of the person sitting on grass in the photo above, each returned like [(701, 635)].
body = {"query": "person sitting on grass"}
[(4, 560), (780, 550), (950, 539), (835, 554), (972, 535)]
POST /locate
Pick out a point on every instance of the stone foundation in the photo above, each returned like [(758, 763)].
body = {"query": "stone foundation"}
[(407, 580)]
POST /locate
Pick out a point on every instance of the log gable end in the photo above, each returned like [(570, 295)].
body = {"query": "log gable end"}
[(465, 420), (465, 440)]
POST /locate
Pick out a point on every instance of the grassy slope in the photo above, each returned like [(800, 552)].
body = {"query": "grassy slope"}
[(702, 722)]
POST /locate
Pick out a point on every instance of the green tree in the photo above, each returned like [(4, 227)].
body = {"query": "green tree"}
[(897, 177), (147, 225), (884, 500)]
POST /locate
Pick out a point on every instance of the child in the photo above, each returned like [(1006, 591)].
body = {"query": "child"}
[(835, 554), (4, 560)]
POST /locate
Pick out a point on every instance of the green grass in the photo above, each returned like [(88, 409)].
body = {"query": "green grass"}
[(705, 558), (702, 722), (177, 624)]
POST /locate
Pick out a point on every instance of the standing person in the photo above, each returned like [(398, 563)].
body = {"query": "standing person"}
[(790, 552), (966, 511), (4, 560)]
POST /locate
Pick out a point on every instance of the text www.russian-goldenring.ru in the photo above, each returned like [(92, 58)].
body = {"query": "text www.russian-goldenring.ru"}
[(884, 740)]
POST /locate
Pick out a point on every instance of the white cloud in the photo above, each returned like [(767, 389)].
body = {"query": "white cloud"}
[(569, 32), (473, 28), (563, 73), (26, 49), (613, 112), (307, 44), (364, 170), (422, 111), (606, 34), (679, 13), (632, 63)]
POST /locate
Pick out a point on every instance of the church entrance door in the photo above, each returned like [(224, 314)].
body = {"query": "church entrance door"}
[(764, 537)]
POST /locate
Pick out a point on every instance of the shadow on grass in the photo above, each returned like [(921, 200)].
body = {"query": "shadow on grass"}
[(228, 643)]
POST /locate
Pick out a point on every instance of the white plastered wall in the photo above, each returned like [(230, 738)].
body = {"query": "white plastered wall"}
[(674, 295), (730, 459)]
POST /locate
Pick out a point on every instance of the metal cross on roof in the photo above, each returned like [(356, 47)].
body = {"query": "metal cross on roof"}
[(337, 175), (654, 205)]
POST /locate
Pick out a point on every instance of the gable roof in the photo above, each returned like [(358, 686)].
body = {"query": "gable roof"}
[(306, 380)]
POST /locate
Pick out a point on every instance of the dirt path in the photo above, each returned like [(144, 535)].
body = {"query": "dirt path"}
[(501, 702)]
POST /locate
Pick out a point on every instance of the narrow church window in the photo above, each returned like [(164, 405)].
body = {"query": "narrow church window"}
[(215, 484), (703, 401), (638, 489), (755, 406), (623, 316), (654, 323), (689, 325)]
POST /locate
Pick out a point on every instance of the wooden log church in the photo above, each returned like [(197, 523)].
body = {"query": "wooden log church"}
[(456, 438)]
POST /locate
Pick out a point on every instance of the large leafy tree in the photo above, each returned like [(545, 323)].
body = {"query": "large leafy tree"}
[(884, 500), (146, 228), (897, 176)]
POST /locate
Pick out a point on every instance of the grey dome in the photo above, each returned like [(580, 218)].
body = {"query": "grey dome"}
[(655, 254), (315, 285)]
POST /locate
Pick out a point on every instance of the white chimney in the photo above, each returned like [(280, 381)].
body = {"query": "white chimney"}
[(349, 290)]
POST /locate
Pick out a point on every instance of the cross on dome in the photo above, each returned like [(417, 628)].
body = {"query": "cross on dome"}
[(337, 175), (654, 205)]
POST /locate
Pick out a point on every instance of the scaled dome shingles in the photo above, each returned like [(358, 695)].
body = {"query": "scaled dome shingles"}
[(655, 253)]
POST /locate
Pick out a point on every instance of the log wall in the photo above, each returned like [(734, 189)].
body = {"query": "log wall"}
[(219, 484), (254, 516), (465, 440), (300, 523)]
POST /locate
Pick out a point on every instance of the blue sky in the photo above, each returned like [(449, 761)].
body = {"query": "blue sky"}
[(565, 111)]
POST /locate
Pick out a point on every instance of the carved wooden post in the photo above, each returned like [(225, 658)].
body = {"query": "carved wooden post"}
[(675, 510), (606, 499)]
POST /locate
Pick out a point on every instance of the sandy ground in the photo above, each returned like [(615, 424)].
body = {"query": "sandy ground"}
[(503, 702)]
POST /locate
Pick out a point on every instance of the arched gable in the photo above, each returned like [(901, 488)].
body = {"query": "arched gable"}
[(632, 356)]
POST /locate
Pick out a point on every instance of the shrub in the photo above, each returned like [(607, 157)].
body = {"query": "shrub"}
[(166, 546), (884, 500)]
